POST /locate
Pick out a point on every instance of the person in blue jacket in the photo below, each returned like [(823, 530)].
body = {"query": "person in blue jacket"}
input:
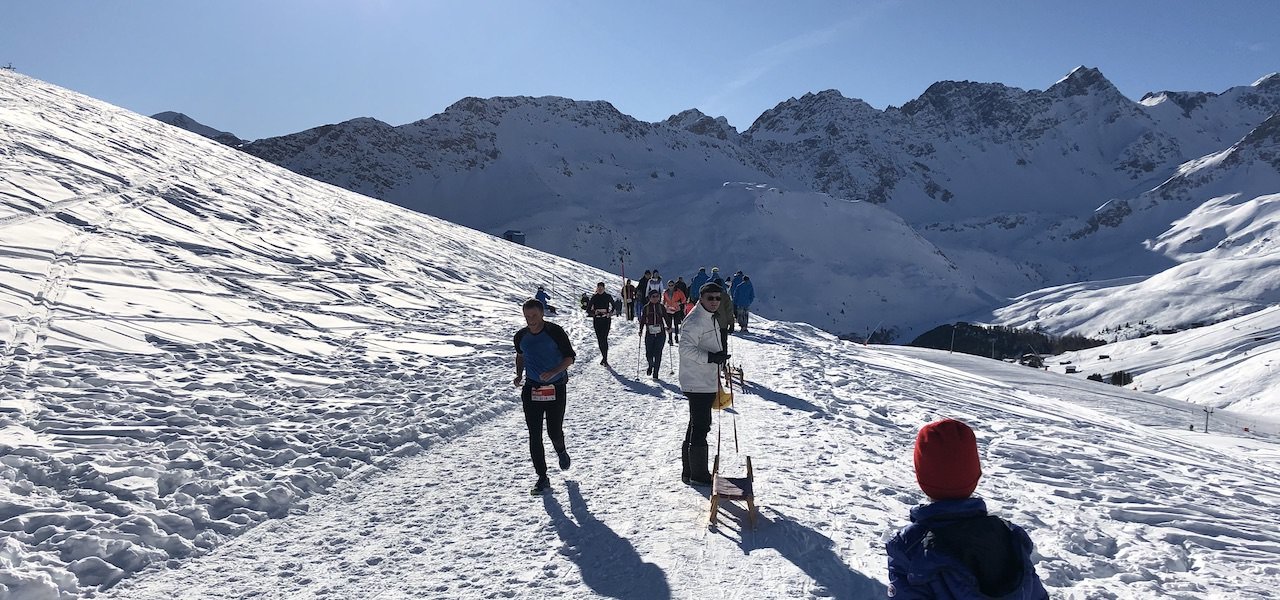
[(695, 284), (954, 550), (544, 297), (544, 350), (744, 293)]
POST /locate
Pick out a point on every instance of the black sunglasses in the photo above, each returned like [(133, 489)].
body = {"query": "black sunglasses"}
[(711, 298)]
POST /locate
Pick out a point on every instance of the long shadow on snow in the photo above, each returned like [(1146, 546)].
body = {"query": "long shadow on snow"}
[(646, 385), (814, 553), (786, 400), (609, 563)]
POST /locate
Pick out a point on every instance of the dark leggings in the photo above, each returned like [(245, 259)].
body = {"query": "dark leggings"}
[(653, 343), (699, 418), (602, 335), (672, 320), (534, 411)]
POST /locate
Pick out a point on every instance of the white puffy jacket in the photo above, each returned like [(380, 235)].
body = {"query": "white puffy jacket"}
[(699, 336)]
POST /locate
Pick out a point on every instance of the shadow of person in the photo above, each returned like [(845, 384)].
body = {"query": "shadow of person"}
[(609, 564), (786, 400), (814, 553)]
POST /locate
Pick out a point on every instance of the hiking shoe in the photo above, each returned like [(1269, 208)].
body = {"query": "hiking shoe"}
[(542, 485), (697, 481), (564, 460)]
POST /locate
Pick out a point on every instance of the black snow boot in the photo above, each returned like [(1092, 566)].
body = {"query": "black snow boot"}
[(542, 485), (684, 462), (698, 474), (564, 459)]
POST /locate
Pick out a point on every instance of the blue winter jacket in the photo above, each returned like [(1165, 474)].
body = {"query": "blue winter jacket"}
[(744, 294), (953, 550), (698, 280)]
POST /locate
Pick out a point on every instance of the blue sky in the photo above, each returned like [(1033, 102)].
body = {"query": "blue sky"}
[(260, 68)]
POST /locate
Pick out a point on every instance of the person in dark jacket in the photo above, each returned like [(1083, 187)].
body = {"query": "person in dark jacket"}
[(653, 330), (743, 295), (954, 550), (600, 307), (543, 348), (629, 298), (642, 290)]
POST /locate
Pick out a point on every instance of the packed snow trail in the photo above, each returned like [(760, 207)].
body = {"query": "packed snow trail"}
[(457, 521), (1115, 509)]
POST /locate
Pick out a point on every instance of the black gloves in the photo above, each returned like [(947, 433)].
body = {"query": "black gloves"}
[(718, 357)]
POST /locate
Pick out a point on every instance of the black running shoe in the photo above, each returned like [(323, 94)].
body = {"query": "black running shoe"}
[(542, 485), (564, 460)]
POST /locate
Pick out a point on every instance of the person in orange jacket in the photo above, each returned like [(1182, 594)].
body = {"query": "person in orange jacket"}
[(674, 300)]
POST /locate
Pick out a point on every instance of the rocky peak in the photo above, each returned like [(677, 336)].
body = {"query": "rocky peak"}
[(971, 106), (1083, 81), (812, 112), (699, 123), (1187, 101)]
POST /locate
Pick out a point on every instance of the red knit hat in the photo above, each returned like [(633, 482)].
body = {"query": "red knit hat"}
[(946, 458)]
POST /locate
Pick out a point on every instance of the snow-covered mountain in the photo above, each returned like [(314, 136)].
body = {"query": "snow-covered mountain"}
[(584, 181), (178, 119), (1217, 221), (219, 379), (1004, 182)]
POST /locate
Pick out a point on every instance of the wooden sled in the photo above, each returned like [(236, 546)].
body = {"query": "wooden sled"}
[(732, 488)]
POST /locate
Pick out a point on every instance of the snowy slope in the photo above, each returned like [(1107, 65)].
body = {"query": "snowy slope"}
[(1232, 364), (222, 380)]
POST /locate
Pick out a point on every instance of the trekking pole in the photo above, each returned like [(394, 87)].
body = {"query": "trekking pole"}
[(639, 341), (670, 362)]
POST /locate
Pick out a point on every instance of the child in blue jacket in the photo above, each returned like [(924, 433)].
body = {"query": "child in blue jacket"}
[(953, 549)]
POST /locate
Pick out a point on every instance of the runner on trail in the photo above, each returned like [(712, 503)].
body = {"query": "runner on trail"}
[(600, 307), (654, 332), (545, 351)]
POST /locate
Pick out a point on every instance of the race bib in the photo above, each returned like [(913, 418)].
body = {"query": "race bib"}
[(544, 392), (654, 329)]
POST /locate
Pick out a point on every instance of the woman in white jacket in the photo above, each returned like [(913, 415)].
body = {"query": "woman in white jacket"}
[(700, 358)]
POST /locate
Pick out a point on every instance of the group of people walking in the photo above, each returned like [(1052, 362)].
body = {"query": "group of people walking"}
[(952, 549)]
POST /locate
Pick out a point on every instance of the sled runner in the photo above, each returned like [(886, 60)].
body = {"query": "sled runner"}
[(732, 488), (739, 489)]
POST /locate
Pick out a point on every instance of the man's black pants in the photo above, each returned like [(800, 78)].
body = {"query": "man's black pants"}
[(602, 326), (534, 413)]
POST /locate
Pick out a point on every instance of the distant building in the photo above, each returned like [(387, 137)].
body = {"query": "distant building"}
[(513, 235)]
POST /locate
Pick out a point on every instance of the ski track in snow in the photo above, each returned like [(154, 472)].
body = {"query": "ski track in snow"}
[(222, 380)]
